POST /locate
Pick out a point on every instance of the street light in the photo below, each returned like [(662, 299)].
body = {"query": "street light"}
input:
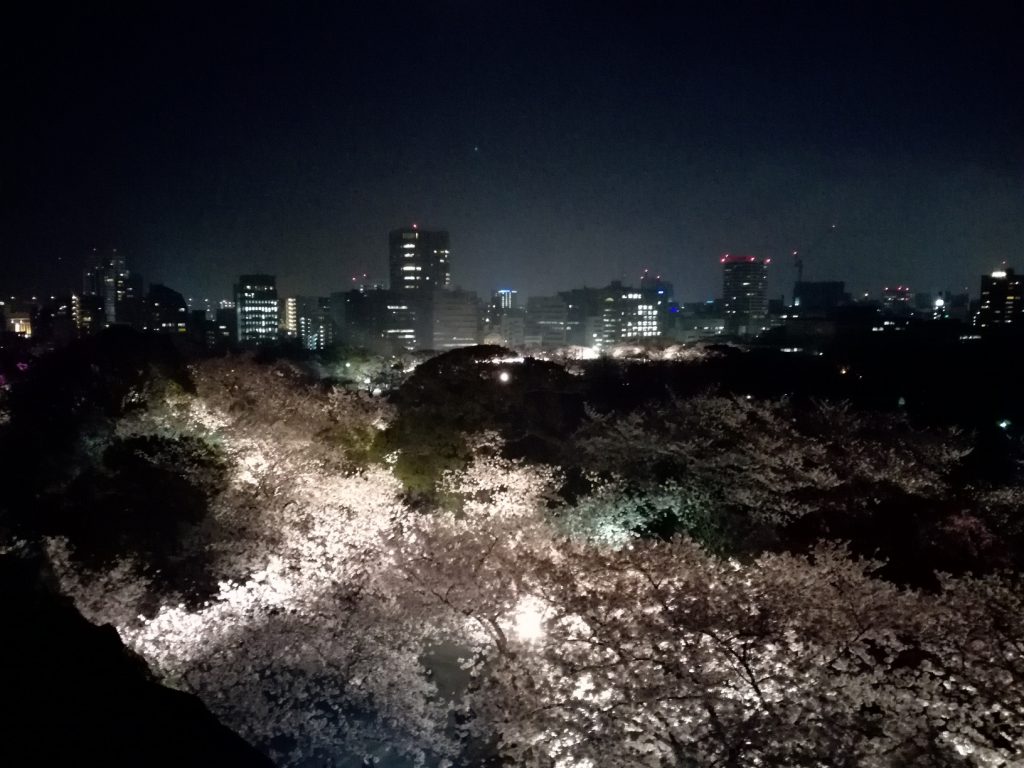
[(529, 619)]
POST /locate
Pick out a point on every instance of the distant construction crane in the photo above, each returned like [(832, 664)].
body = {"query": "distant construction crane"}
[(798, 256)]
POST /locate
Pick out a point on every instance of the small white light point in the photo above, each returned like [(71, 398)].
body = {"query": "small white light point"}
[(503, 377)]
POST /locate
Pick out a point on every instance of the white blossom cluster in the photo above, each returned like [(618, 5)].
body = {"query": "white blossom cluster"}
[(572, 643)]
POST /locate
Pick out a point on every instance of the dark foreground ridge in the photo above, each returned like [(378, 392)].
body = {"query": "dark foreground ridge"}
[(75, 695)]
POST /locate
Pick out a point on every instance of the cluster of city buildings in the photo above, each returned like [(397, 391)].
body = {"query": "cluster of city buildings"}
[(111, 294), (420, 309)]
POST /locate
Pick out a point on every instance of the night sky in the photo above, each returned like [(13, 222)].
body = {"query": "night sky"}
[(560, 143)]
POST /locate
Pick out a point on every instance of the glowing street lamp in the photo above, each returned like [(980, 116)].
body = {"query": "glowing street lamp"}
[(529, 620), (504, 377)]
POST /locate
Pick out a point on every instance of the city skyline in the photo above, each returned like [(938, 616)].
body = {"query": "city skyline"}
[(578, 141), (781, 280)]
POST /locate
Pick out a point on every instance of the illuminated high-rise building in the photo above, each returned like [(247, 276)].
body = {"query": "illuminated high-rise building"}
[(88, 314), (315, 327), (504, 303), (627, 314), (418, 265), (1002, 301), (256, 309), (107, 276), (744, 282), (418, 260), (505, 298), (288, 310)]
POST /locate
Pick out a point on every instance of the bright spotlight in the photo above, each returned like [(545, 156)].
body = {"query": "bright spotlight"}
[(503, 377), (529, 619)]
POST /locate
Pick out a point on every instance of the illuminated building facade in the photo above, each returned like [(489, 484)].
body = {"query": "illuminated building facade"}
[(313, 321), (165, 311), (88, 314), (505, 298), (897, 300), (951, 306), (418, 260), (1002, 303), (456, 319), (289, 316), (600, 317), (107, 276), (19, 323), (226, 321), (375, 319), (256, 310), (398, 328), (419, 263), (744, 285), (627, 314), (504, 303)]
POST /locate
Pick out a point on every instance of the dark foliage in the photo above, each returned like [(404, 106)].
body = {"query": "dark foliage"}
[(72, 392), (77, 696), (140, 496), (464, 391)]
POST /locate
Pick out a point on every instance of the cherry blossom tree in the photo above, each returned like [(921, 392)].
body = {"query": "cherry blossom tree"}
[(659, 654), (579, 641), (763, 465)]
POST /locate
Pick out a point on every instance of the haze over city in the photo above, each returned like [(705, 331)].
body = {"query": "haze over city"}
[(560, 144)]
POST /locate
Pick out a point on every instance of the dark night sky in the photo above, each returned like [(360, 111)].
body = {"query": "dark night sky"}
[(560, 143)]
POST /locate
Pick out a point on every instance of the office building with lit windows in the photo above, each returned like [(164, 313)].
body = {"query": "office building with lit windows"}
[(505, 298), (108, 278), (897, 300), (18, 323), (419, 264), (627, 314), (1002, 305), (314, 323), (504, 303), (744, 284), (288, 316), (456, 319), (256, 310), (165, 311), (381, 321), (418, 260)]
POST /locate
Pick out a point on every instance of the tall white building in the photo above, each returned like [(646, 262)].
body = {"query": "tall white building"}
[(744, 284), (288, 309), (257, 311)]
